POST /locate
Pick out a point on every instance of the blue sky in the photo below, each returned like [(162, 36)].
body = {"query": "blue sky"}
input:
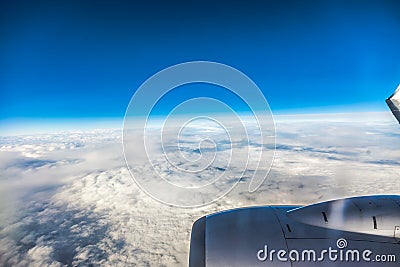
[(85, 59)]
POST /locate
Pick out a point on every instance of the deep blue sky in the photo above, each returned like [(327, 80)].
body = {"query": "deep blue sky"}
[(73, 59)]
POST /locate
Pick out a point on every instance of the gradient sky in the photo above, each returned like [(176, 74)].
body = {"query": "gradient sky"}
[(85, 59)]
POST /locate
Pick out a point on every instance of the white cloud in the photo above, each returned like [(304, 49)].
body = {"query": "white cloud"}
[(74, 202)]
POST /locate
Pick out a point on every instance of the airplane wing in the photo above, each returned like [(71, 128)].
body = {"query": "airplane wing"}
[(394, 103), (358, 231)]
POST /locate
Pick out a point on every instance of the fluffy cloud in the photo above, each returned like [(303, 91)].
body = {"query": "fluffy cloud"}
[(68, 199)]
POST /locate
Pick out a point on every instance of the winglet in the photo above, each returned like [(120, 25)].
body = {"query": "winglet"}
[(394, 103)]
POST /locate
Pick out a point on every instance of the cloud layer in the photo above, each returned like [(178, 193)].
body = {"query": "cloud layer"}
[(68, 199)]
